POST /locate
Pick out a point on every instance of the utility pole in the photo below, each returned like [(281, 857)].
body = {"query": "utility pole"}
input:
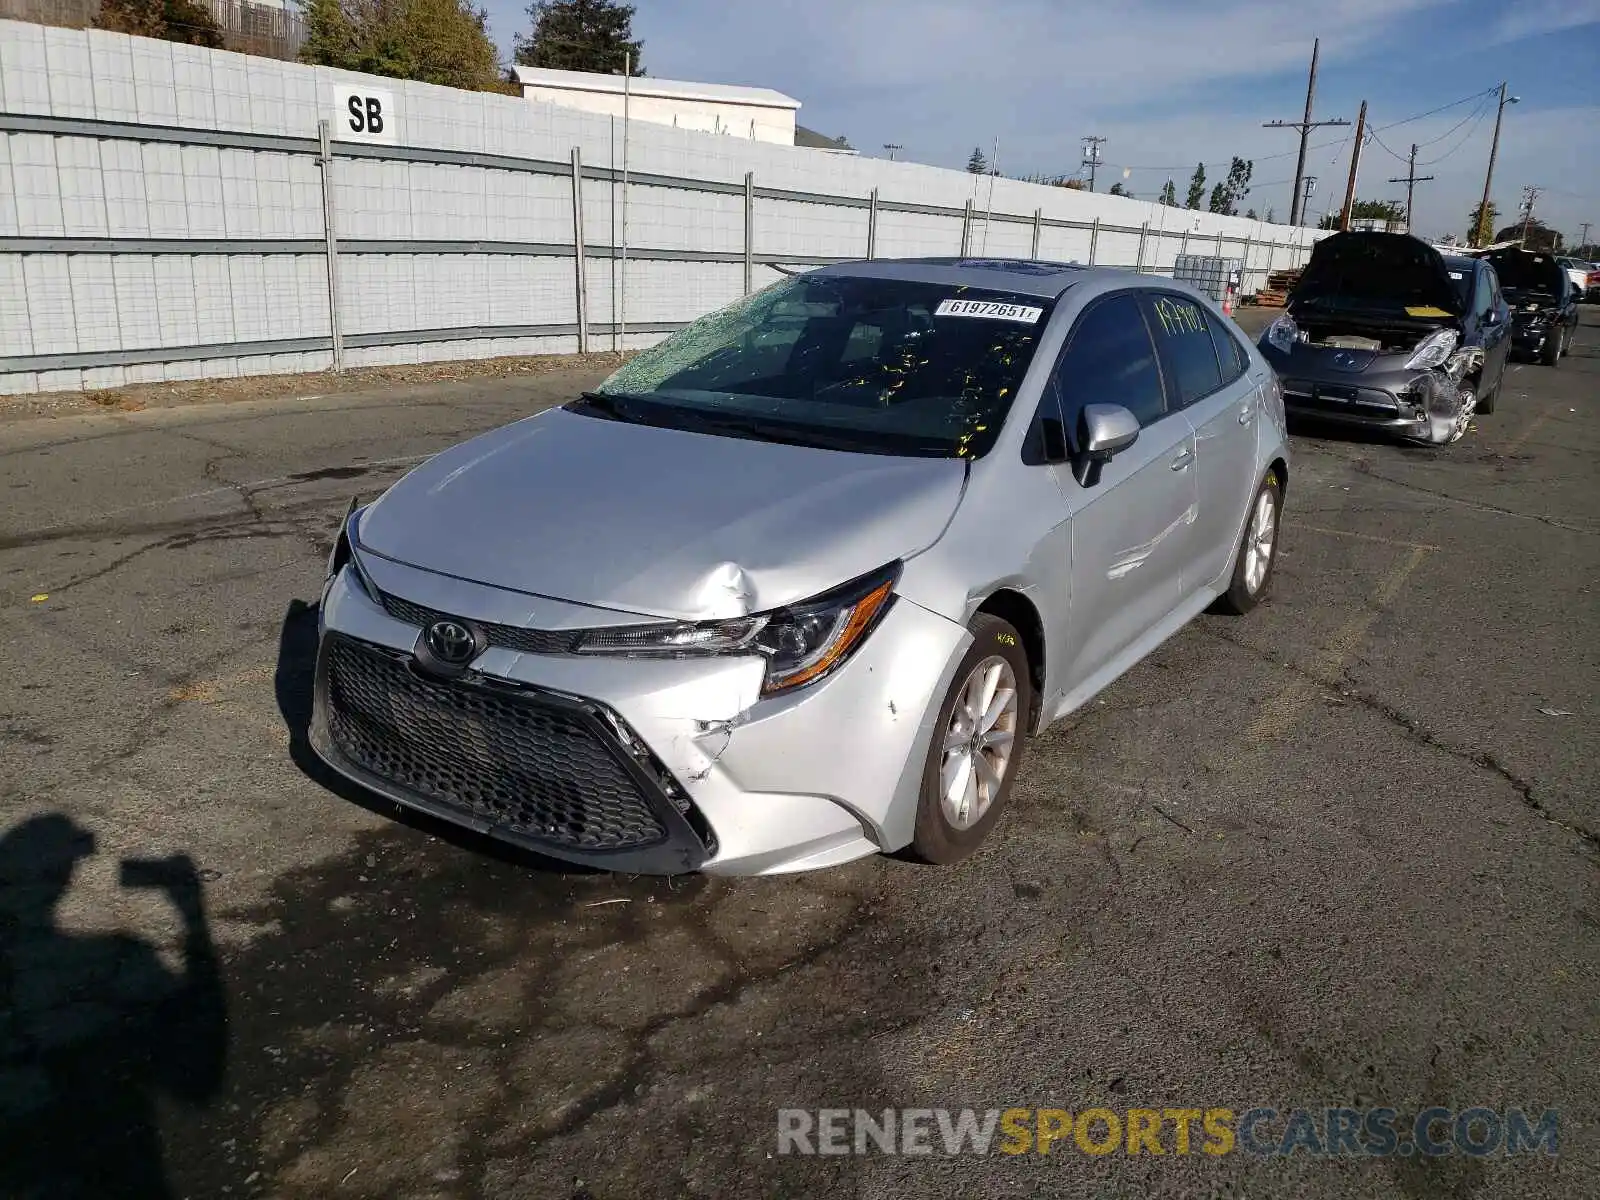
[(1584, 240), (1355, 165), (1091, 156), (1305, 126), (1530, 194), (1411, 179), (1481, 235), (893, 148)]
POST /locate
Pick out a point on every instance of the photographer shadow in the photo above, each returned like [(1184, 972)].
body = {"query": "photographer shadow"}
[(93, 1026)]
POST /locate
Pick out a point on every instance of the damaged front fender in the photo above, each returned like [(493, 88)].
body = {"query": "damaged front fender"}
[(1447, 398)]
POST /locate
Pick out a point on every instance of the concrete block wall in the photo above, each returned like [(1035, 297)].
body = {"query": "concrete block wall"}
[(161, 217)]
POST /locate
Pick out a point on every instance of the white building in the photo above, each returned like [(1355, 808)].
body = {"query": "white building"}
[(759, 114)]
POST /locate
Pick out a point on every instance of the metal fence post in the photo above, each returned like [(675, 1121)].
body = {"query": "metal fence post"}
[(749, 231), (872, 225), (1038, 222), (1183, 246), (1219, 243), (1094, 239), (325, 157), (580, 251), (966, 229), (1244, 265), (1138, 261)]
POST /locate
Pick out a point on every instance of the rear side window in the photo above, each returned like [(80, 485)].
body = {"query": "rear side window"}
[(1184, 338), (1230, 354), (1109, 360)]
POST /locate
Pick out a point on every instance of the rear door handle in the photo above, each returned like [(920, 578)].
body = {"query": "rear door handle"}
[(1185, 457), (1245, 414)]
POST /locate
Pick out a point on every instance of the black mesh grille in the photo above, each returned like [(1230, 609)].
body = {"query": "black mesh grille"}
[(508, 637), (535, 768)]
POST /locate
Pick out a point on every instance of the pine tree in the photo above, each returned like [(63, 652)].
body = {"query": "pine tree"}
[(1226, 195), (580, 35), (977, 164), (1169, 194), (1117, 189), (1197, 186)]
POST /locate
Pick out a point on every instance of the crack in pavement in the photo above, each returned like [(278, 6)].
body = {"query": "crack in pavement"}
[(1416, 731), (1363, 468)]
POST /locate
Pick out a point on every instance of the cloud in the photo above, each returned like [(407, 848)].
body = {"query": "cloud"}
[(1530, 18), (1169, 83)]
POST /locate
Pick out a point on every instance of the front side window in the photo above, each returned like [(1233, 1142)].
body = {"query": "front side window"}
[(1109, 360), (885, 366), (1483, 300)]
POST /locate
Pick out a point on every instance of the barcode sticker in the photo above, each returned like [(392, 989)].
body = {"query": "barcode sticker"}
[(1023, 314)]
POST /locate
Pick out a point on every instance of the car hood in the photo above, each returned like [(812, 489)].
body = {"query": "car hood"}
[(1527, 276), (1377, 271), (658, 522)]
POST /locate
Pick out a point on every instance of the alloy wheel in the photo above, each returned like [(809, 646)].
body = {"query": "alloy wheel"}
[(978, 743), (1258, 542)]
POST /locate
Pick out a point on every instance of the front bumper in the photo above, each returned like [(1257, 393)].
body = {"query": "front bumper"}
[(1529, 337), (1397, 411), (670, 765)]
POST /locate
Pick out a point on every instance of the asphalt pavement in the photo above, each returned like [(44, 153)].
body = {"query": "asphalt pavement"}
[(1340, 852)]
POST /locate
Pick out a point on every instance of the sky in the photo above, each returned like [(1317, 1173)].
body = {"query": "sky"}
[(1170, 84)]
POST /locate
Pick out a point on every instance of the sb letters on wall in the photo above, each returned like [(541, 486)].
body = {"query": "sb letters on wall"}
[(362, 114)]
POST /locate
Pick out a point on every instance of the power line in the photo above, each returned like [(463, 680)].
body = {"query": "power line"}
[(1465, 138), (1324, 145), (1407, 120)]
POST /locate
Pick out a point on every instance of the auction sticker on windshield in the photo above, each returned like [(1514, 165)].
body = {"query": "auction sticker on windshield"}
[(1022, 313)]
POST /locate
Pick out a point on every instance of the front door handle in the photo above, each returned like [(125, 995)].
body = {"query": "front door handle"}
[(1185, 457)]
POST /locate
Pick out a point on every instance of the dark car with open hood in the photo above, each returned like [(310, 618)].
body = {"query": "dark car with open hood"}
[(1384, 331), (1543, 300)]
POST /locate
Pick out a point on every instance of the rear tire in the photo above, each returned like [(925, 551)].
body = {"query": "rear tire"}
[(1252, 576), (959, 805)]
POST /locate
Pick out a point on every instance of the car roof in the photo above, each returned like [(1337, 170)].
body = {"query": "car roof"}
[(1023, 276), (1457, 262)]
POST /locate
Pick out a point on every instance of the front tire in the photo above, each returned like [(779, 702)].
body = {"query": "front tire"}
[(977, 745), (1257, 558), (1486, 401)]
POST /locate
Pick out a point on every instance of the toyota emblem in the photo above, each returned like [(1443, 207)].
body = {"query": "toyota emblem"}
[(451, 643)]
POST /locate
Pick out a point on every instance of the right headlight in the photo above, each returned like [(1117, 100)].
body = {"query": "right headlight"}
[(1282, 334), (801, 643), (1433, 350)]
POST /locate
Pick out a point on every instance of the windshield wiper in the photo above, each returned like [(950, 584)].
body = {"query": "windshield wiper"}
[(605, 404)]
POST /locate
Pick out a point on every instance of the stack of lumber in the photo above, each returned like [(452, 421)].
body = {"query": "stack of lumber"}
[(1279, 285)]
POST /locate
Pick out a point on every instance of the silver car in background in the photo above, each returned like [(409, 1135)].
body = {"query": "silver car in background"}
[(794, 585)]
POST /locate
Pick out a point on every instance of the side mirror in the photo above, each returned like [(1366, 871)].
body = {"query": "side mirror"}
[(1105, 431)]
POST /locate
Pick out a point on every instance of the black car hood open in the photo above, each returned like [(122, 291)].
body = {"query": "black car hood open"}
[(1393, 272), (1524, 272)]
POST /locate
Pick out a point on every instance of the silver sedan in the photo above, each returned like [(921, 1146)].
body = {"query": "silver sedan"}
[(794, 585)]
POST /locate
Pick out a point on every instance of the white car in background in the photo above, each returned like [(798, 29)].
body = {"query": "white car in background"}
[(1578, 271)]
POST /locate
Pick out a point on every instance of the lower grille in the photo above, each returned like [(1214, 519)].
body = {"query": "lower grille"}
[(538, 766)]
